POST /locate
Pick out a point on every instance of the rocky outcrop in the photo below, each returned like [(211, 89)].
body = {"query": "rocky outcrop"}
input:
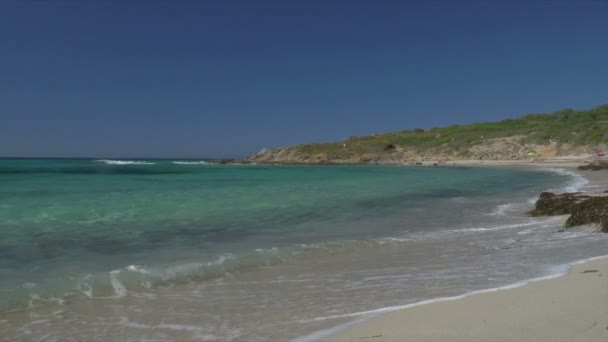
[(595, 165), (510, 148), (550, 204), (591, 211), (583, 209)]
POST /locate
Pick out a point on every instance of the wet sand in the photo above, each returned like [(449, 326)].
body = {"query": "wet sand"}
[(573, 307)]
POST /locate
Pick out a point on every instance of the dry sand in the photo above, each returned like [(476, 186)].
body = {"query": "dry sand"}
[(568, 308), (570, 162)]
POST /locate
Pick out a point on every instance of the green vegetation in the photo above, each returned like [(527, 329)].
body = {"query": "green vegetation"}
[(587, 127)]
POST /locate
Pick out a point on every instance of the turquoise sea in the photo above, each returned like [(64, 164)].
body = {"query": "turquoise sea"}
[(156, 249)]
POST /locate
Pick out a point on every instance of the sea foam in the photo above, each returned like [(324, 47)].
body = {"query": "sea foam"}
[(200, 162), (576, 183), (124, 162), (361, 316)]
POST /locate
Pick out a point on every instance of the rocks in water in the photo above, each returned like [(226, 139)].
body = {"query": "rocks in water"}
[(226, 161), (550, 204), (591, 211), (595, 165), (583, 209)]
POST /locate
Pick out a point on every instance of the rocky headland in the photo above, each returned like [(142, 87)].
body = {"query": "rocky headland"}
[(531, 137)]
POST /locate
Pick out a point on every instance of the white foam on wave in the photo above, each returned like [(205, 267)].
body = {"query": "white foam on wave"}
[(417, 236), (119, 288), (393, 239), (554, 272), (201, 162), (576, 183), (199, 332), (175, 272), (124, 281), (509, 226), (124, 162), (450, 232), (86, 288), (503, 209)]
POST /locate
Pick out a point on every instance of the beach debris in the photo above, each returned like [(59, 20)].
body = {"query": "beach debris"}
[(373, 336), (590, 271)]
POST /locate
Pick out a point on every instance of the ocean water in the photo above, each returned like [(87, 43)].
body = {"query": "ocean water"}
[(185, 250)]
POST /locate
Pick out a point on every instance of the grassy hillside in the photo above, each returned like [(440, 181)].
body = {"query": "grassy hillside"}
[(586, 127)]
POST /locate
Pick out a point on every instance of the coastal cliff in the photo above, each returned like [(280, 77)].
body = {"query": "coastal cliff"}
[(534, 136)]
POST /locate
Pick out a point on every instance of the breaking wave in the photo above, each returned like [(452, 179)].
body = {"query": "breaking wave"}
[(124, 162), (133, 278), (576, 183), (201, 162)]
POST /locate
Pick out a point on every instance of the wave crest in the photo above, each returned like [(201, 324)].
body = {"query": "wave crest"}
[(200, 162), (576, 183), (124, 162)]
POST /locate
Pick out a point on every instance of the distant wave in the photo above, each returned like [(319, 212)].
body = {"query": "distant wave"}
[(190, 162), (124, 162)]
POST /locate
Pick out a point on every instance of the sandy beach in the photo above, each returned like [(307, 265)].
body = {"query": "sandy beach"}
[(568, 307), (562, 161), (573, 307)]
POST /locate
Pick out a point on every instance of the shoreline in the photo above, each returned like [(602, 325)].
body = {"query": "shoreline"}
[(374, 319), (336, 276), (563, 161), (566, 306), (571, 162), (398, 322)]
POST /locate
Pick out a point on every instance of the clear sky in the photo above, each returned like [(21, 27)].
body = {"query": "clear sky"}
[(227, 78)]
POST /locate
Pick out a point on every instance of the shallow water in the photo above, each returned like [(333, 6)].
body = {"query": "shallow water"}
[(156, 250)]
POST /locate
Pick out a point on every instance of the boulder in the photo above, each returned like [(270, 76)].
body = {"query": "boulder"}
[(595, 165), (583, 209), (550, 204), (590, 211)]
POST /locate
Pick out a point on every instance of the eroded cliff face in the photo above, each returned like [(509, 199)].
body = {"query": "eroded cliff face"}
[(510, 148)]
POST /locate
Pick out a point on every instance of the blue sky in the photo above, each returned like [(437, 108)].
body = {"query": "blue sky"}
[(227, 78)]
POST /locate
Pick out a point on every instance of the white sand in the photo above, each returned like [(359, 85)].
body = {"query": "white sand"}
[(570, 308), (553, 162)]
